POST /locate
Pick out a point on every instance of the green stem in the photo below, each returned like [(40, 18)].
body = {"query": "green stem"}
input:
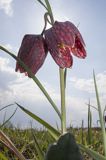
[(62, 80), (45, 21), (50, 11), (63, 108), (34, 79)]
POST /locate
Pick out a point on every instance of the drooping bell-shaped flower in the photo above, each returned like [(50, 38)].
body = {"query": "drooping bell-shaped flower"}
[(32, 52), (63, 39)]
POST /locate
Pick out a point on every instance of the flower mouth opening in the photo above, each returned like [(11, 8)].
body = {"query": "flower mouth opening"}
[(63, 48)]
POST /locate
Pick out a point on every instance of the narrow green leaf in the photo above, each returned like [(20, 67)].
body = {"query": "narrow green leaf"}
[(8, 118), (82, 132), (34, 79), (89, 125), (37, 146), (95, 155), (42, 4), (6, 107), (100, 115), (51, 130), (92, 106)]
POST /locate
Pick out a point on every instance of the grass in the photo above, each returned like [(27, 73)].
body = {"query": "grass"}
[(25, 143)]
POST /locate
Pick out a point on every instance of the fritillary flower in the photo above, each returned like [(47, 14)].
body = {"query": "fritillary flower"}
[(63, 39), (32, 52)]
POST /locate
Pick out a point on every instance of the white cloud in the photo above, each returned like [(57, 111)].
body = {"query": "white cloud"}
[(88, 84), (4, 65), (6, 5), (19, 87), (7, 75)]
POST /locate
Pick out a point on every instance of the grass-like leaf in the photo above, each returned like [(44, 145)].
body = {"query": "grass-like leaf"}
[(100, 115), (89, 125), (92, 106), (6, 106), (51, 129), (4, 123), (37, 146), (82, 132), (95, 155), (42, 4)]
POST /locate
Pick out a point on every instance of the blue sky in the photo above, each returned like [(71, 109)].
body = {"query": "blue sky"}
[(26, 17)]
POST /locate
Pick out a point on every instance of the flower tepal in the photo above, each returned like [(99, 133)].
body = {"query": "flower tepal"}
[(32, 52), (63, 39)]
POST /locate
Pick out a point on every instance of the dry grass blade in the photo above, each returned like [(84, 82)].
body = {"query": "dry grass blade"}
[(7, 142)]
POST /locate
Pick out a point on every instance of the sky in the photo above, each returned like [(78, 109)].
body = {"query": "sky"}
[(20, 17)]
